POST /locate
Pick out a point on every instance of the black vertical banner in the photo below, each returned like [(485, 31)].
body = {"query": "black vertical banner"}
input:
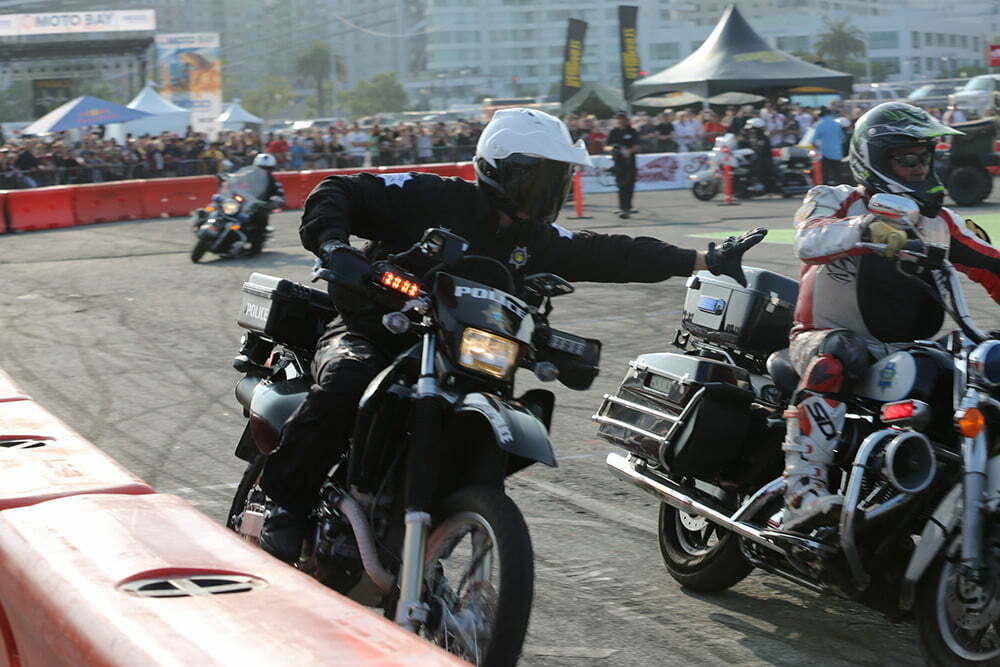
[(573, 59), (628, 36)]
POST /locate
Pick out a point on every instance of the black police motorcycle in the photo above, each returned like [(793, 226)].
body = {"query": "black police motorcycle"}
[(918, 463), (223, 227), (431, 536)]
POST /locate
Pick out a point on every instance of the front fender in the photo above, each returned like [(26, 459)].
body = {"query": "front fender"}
[(935, 535), (516, 429)]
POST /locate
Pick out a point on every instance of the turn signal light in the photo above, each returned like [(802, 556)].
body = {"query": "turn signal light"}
[(971, 422)]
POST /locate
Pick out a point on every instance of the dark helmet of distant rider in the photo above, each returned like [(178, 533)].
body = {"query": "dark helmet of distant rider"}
[(881, 133), (524, 164)]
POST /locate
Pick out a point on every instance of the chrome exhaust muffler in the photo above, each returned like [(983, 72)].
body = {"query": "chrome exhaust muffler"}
[(674, 495)]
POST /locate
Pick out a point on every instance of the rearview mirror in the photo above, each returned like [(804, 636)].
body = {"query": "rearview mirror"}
[(443, 246), (897, 209)]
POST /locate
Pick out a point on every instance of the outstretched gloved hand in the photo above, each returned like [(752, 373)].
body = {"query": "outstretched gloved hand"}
[(727, 258), (882, 232)]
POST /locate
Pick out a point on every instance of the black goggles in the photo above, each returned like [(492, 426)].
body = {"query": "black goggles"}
[(911, 160)]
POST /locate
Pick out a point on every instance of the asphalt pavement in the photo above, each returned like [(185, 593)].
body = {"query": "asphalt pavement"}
[(115, 331)]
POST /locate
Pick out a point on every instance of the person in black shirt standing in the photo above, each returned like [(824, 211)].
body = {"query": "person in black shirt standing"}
[(623, 144)]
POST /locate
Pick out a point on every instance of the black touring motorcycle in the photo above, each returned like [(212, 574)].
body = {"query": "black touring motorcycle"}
[(918, 463), (435, 542), (223, 227)]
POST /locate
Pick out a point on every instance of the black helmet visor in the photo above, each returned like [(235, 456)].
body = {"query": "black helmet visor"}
[(536, 186)]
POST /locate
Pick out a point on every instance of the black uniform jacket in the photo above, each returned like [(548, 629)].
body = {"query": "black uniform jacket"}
[(393, 210)]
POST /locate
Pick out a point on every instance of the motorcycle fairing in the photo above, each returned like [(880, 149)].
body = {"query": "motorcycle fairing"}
[(516, 429), (272, 404)]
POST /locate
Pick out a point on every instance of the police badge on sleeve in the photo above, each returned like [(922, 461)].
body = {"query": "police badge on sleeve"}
[(519, 257)]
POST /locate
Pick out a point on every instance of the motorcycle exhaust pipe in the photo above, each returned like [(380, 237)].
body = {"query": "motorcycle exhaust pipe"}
[(666, 491), (909, 462)]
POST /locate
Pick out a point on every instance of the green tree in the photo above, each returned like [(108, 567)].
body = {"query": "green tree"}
[(316, 64), (381, 93), (271, 99), (841, 41)]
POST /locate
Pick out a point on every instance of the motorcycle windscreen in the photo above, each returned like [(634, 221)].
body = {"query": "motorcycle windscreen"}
[(250, 182)]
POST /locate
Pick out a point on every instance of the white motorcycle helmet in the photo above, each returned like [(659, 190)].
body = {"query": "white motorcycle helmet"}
[(265, 160), (524, 163), (755, 124)]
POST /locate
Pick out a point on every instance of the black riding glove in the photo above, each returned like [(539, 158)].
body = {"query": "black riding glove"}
[(727, 258), (348, 275)]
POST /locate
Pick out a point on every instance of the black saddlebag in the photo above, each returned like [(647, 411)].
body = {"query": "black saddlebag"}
[(755, 319), (284, 311), (690, 414)]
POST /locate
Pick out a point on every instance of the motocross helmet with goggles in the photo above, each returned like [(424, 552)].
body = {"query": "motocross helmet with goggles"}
[(524, 163), (890, 126)]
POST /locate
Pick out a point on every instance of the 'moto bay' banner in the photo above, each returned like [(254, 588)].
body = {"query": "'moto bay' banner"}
[(573, 59)]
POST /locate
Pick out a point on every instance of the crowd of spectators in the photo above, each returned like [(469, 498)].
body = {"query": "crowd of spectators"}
[(95, 158)]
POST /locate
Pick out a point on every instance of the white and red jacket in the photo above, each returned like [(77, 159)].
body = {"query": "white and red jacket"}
[(843, 287)]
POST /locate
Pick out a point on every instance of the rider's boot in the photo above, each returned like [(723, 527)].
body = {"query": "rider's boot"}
[(814, 427), (283, 532)]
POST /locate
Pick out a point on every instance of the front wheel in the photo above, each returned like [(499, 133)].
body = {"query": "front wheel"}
[(699, 554), (705, 190), (200, 248), (956, 619), (479, 577)]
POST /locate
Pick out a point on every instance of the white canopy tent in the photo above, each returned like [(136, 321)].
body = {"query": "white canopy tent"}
[(234, 117), (165, 117)]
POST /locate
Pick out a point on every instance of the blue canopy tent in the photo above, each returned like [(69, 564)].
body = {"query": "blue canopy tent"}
[(81, 112)]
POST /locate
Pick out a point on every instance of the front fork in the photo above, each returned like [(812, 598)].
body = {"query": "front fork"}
[(428, 417), (974, 485)]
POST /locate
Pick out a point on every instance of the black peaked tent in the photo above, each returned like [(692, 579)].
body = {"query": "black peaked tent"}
[(735, 58)]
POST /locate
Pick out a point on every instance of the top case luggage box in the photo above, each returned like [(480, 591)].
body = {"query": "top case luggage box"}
[(285, 311), (688, 413), (755, 319)]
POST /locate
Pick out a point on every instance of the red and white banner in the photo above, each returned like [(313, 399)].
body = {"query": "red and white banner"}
[(656, 171), (994, 55), (54, 23)]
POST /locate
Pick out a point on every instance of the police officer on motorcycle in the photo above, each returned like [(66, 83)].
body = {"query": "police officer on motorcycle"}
[(856, 306), (524, 164), (274, 195)]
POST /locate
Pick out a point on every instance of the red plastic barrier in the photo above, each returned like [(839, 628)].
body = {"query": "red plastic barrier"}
[(163, 197), (41, 458), (109, 202), (297, 187), (115, 580), (41, 208)]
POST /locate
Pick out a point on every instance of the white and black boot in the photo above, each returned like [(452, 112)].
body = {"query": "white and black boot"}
[(814, 428)]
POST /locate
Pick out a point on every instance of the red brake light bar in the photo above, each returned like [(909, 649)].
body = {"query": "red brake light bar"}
[(908, 412), (400, 284), (895, 411)]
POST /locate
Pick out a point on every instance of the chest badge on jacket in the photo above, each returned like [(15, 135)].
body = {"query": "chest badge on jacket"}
[(519, 257)]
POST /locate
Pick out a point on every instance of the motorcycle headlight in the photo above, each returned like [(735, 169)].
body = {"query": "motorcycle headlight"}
[(487, 353), (984, 363), (230, 207)]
